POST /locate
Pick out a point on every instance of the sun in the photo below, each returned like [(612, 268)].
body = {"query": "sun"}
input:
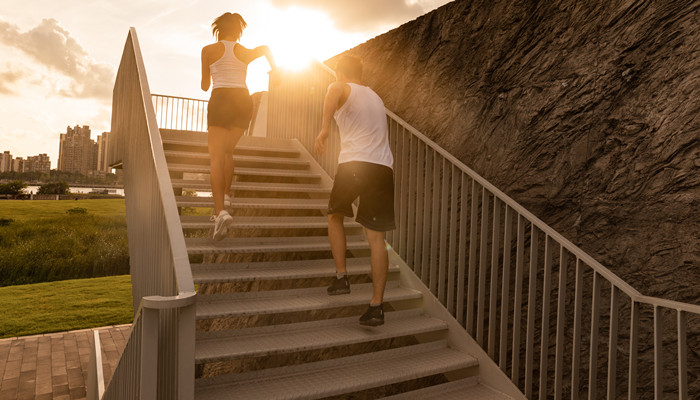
[(296, 36)]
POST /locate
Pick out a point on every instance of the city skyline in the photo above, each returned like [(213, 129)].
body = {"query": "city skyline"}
[(60, 61)]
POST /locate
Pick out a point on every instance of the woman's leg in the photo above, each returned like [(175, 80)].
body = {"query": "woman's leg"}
[(233, 137), (217, 140)]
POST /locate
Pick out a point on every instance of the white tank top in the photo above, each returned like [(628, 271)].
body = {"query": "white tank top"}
[(228, 71), (363, 129)]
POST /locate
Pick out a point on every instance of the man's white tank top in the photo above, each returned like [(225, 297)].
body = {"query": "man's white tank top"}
[(364, 135), (228, 71)]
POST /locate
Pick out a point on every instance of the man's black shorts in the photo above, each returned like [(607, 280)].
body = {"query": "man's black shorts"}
[(374, 184), (230, 108)]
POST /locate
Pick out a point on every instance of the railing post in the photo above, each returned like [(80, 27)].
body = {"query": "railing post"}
[(149, 353), (96, 382), (658, 353), (186, 340)]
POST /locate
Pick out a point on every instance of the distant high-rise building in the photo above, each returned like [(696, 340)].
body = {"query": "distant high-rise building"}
[(40, 163), (18, 164), (6, 162), (102, 152), (76, 151)]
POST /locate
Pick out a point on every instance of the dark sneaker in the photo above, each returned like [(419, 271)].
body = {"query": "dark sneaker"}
[(374, 316), (339, 286)]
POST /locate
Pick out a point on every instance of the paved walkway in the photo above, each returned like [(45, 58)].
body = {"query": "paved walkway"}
[(55, 365)]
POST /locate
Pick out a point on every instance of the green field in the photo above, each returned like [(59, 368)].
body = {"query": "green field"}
[(41, 242), (65, 305)]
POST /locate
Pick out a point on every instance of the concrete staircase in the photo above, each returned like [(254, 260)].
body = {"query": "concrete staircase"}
[(266, 327)]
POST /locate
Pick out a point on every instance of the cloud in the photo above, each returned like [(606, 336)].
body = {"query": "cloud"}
[(9, 76), (361, 15), (52, 46)]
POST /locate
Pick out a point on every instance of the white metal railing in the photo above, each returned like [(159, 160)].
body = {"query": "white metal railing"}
[(492, 263), (180, 113), (158, 361)]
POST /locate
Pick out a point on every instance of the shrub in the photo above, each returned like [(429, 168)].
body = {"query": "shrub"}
[(6, 221), (76, 210), (53, 188), (13, 188)]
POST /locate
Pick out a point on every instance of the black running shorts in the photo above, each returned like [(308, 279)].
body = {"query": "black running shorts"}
[(230, 108), (374, 185)]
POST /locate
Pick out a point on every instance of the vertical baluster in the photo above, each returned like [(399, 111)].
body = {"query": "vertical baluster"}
[(420, 212), (471, 293), (546, 301), (682, 356), (595, 322), (481, 305), (576, 348), (395, 145), (658, 353), (427, 215), (531, 300), (612, 342), (518, 299), (461, 268), (454, 229), (405, 188), (444, 230), (493, 292), (634, 340), (412, 190), (434, 254), (561, 323), (505, 289)]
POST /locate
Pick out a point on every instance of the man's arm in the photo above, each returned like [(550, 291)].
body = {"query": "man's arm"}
[(330, 105)]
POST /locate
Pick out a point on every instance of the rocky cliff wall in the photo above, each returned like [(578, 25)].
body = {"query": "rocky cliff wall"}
[(586, 112)]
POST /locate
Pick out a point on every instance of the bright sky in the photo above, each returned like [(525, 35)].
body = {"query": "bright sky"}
[(59, 57)]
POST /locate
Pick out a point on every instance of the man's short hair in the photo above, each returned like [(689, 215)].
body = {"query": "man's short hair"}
[(350, 66)]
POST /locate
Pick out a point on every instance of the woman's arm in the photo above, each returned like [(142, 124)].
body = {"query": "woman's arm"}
[(248, 55), (206, 73)]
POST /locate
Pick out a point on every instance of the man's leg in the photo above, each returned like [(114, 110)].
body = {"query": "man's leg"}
[(379, 260), (336, 236)]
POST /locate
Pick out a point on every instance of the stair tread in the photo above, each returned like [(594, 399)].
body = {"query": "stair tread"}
[(238, 158), (292, 300), (270, 244), (248, 202), (263, 222), (338, 376), (252, 171), (270, 340), (278, 270), (260, 186), (467, 388), (239, 147)]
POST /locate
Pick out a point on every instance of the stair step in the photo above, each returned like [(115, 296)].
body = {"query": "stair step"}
[(193, 157), (290, 338), (240, 148), (467, 388), (248, 202), (337, 376), (267, 244), (247, 171), (292, 300), (254, 186), (278, 270), (262, 222)]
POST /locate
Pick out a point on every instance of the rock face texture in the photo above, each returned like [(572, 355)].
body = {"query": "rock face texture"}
[(586, 112)]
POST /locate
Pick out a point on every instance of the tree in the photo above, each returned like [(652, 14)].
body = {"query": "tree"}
[(53, 188), (13, 188)]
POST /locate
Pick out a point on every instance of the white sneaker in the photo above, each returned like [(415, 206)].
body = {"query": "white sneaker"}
[(227, 201), (221, 224)]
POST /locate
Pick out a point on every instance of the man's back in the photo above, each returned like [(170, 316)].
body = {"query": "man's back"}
[(363, 128)]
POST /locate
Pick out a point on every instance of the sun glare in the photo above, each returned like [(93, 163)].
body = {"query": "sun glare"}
[(296, 36)]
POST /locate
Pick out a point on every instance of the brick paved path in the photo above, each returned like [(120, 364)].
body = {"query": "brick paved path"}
[(55, 365)]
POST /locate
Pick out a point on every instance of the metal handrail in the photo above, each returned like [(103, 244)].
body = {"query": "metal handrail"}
[(451, 232), (158, 361)]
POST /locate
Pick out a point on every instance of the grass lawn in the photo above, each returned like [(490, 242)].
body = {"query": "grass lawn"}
[(26, 210), (65, 305), (41, 242)]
